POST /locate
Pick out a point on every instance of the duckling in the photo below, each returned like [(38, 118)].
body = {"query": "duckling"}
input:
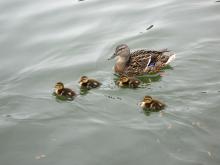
[(88, 83), (151, 104), (134, 83), (61, 91), (125, 81)]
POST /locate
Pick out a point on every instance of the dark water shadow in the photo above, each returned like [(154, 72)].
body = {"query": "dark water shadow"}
[(146, 79), (84, 91), (148, 112), (62, 98), (150, 77)]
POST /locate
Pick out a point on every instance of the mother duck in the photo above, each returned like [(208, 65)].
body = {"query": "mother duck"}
[(140, 62)]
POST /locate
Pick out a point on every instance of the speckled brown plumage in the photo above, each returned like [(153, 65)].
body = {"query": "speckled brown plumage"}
[(151, 104), (65, 92), (125, 81), (140, 62), (88, 83), (141, 58)]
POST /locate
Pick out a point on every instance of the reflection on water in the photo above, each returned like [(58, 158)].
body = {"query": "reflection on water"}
[(145, 79), (150, 78), (83, 91), (46, 41)]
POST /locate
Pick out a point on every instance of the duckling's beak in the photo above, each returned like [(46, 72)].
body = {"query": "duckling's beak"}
[(113, 56)]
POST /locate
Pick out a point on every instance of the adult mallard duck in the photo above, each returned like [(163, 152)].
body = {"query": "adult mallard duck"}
[(65, 92), (125, 81), (140, 62), (88, 83), (151, 104)]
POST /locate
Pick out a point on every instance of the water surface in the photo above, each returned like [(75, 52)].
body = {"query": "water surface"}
[(46, 41)]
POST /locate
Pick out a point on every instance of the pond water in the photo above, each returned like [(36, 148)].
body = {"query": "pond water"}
[(46, 41)]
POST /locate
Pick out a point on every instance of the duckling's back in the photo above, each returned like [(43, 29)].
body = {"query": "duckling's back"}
[(68, 92), (92, 83)]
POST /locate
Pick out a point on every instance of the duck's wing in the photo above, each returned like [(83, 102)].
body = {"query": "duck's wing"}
[(159, 104), (93, 83), (68, 92), (138, 62), (144, 61)]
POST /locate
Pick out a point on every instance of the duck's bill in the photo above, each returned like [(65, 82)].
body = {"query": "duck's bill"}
[(113, 56)]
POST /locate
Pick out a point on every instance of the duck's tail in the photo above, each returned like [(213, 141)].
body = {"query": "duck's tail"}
[(171, 55)]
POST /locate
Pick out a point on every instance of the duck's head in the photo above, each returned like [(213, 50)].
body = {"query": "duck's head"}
[(83, 80), (124, 79), (146, 100), (121, 51), (59, 86)]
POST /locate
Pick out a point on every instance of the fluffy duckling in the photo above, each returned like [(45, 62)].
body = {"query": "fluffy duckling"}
[(88, 83), (151, 104), (61, 91), (125, 81)]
